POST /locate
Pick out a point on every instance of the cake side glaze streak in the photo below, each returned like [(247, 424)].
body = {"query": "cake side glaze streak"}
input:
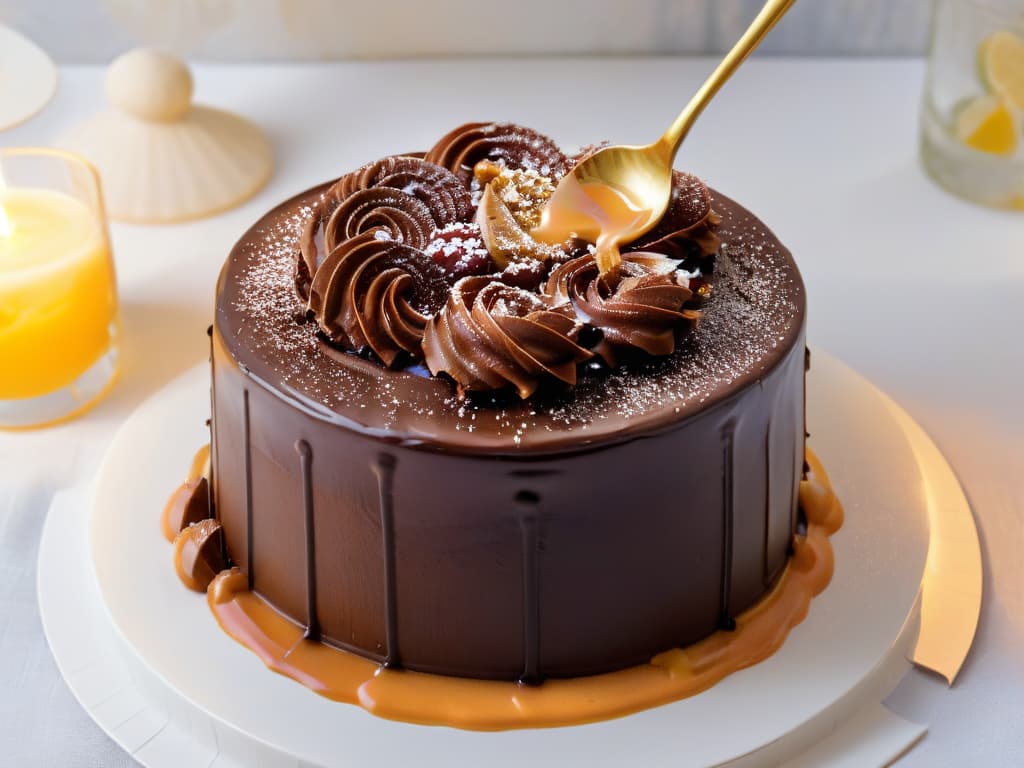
[(529, 522), (250, 524), (384, 469), (728, 521), (306, 464), (457, 543)]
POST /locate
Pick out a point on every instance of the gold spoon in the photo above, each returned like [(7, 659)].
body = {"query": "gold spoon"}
[(621, 192)]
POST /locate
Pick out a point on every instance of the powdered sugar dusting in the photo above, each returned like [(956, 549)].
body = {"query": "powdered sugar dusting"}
[(755, 306)]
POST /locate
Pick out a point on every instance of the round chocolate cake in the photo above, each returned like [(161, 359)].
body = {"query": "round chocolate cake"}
[(445, 445)]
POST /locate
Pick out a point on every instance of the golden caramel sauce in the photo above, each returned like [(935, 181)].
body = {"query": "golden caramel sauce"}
[(175, 506), (200, 466), (486, 705), (181, 541), (598, 213), (199, 554)]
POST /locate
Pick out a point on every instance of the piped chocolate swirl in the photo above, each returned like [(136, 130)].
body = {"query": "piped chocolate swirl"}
[(439, 190), (688, 227), (372, 291), (405, 197), (490, 335), (433, 258), (514, 146), (644, 309)]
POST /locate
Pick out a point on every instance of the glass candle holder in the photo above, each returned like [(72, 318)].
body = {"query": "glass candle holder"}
[(972, 140), (58, 299)]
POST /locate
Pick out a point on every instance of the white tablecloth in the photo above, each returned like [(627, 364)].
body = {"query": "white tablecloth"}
[(919, 291)]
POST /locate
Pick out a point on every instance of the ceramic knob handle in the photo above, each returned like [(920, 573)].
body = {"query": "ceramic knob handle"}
[(150, 85)]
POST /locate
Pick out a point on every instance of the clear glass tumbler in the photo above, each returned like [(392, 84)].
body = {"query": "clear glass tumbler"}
[(972, 140), (58, 299)]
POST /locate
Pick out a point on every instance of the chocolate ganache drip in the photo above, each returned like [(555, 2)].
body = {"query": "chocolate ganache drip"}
[(643, 310), (372, 291), (513, 145), (490, 335)]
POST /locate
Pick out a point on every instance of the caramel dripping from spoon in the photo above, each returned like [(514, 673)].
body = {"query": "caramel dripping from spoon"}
[(620, 192)]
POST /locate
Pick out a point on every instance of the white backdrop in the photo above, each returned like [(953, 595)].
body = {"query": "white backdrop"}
[(97, 30)]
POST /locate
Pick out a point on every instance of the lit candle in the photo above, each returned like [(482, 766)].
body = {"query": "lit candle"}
[(57, 297)]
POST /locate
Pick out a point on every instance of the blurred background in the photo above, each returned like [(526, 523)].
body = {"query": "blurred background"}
[(77, 31)]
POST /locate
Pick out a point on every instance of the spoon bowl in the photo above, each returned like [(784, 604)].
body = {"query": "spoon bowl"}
[(641, 174), (610, 198), (620, 192)]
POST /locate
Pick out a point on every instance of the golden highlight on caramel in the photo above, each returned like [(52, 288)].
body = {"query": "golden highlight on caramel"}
[(485, 705), (599, 213)]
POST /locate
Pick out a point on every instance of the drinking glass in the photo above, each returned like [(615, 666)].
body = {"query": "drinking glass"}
[(58, 300), (972, 141)]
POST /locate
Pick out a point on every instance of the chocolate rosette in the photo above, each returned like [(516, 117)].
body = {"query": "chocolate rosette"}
[(405, 197), (688, 226), (434, 186), (644, 308), (490, 335), (373, 292), (513, 145), (404, 217)]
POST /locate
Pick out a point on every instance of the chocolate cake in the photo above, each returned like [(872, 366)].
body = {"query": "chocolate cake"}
[(446, 446)]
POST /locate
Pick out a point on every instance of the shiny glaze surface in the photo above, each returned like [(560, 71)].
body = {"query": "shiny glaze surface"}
[(662, 495), (754, 318)]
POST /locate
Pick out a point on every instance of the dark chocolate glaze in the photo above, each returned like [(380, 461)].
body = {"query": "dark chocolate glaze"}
[(250, 527), (570, 534), (529, 526), (728, 437), (384, 468), (309, 529)]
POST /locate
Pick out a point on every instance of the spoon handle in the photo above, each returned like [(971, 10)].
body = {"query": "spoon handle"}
[(769, 16)]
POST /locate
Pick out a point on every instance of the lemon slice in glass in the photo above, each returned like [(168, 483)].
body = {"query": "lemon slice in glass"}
[(988, 123), (1001, 59)]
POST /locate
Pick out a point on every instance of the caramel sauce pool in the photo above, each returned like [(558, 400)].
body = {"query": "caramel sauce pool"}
[(487, 705), (599, 213)]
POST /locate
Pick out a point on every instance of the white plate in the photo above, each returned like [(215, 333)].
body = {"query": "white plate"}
[(28, 78), (156, 672)]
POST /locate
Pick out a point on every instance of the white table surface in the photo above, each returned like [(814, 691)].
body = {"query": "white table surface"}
[(921, 292)]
